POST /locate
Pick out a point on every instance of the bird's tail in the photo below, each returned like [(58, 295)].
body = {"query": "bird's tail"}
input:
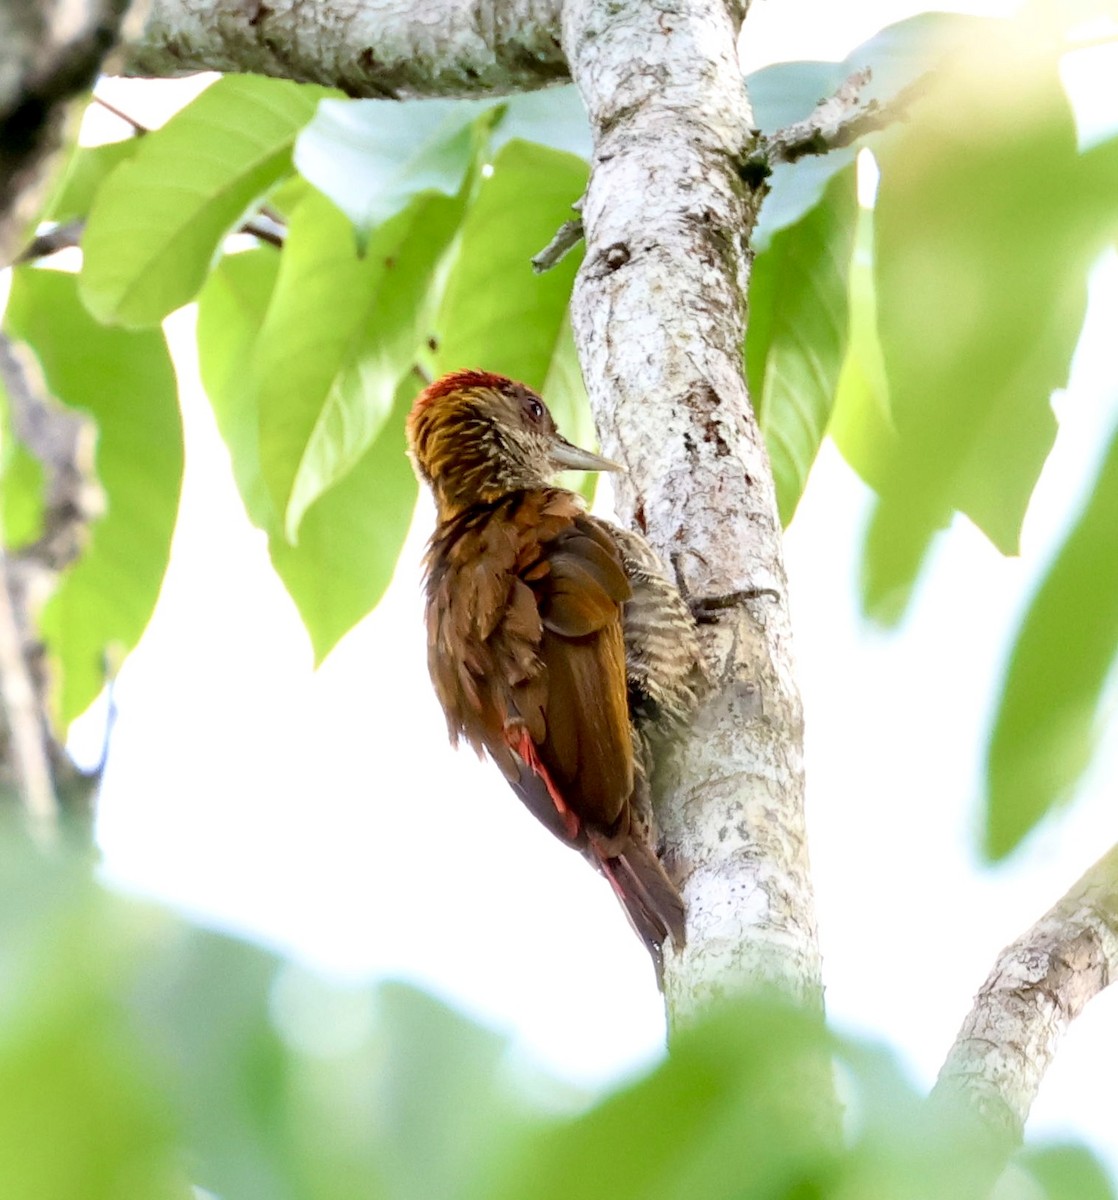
[(650, 899)]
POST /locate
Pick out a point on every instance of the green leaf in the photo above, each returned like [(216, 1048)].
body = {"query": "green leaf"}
[(126, 383), (743, 1109), (570, 406), (87, 170), (202, 1003), (981, 290), (796, 339), (350, 537), (718, 1119), (1067, 1172), (439, 1079), (159, 219), (862, 423), (80, 1114), (231, 309), (373, 158), (1097, 183), (1043, 733), (341, 331), (497, 313)]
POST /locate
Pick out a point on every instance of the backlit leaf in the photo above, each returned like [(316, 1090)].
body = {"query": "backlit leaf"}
[(159, 219), (231, 310), (125, 381), (497, 313), (350, 537), (1043, 734), (373, 158), (796, 340), (341, 331), (981, 290)]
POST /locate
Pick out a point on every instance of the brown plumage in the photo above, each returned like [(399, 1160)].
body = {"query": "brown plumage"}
[(555, 641)]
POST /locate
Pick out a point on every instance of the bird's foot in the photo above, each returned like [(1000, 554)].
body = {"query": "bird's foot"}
[(705, 609)]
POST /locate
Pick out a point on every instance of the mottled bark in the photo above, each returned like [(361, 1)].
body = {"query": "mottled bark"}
[(393, 48), (658, 312), (36, 773)]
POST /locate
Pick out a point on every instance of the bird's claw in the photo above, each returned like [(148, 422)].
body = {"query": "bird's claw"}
[(705, 609)]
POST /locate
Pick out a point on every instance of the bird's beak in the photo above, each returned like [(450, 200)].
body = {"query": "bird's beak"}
[(571, 458)]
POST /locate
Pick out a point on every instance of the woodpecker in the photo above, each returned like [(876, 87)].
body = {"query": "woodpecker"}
[(556, 642)]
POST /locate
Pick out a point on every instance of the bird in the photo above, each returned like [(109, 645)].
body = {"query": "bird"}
[(556, 642)]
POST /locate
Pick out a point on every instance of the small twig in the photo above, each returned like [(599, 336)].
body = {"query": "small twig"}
[(69, 234), (30, 758), (137, 128), (1039, 984), (569, 234), (50, 241), (266, 229), (836, 122)]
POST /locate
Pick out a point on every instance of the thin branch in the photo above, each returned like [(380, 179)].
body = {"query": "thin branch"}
[(137, 128), (839, 121), (1038, 986), (30, 758), (261, 226), (567, 237)]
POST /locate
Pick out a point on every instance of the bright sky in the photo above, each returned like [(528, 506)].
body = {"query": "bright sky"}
[(323, 811)]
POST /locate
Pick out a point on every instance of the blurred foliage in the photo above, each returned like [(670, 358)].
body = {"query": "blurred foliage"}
[(138, 1053), (1045, 727), (981, 283)]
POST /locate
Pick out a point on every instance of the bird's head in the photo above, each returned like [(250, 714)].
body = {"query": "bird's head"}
[(475, 437)]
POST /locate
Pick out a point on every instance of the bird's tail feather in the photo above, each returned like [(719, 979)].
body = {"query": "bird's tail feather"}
[(651, 901)]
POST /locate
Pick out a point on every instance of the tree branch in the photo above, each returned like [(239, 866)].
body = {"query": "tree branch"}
[(365, 47), (137, 127), (50, 241), (1038, 986), (839, 121), (566, 238), (30, 761), (264, 227), (658, 313)]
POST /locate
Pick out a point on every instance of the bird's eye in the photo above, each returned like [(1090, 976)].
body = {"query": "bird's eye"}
[(535, 409)]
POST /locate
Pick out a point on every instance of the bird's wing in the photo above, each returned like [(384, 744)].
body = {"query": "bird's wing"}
[(585, 756), (527, 655)]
